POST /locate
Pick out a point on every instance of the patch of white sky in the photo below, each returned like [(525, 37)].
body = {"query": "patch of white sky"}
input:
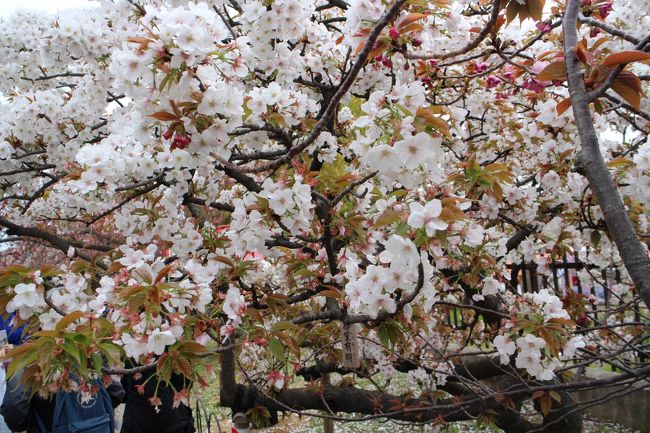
[(7, 7)]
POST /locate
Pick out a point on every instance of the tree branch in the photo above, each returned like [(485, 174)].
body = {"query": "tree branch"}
[(343, 88), (54, 240), (494, 16)]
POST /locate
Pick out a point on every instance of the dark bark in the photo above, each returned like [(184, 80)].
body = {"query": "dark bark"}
[(352, 400), (56, 241)]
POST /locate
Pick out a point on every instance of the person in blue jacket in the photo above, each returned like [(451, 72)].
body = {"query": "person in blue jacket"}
[(14, 335), (14, 338)]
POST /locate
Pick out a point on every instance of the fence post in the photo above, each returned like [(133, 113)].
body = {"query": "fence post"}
[(530, 277), (328, 424)]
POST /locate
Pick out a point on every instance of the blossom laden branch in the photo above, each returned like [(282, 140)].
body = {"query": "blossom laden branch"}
[(343, 89), (483, 34)]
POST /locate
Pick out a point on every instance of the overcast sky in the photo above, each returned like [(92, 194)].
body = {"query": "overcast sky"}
[(8, 6)]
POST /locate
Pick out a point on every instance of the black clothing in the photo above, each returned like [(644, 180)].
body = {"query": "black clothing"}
[(141, 417)]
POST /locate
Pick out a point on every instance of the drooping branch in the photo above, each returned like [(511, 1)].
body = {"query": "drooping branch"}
[(376, 404), (591, 164)]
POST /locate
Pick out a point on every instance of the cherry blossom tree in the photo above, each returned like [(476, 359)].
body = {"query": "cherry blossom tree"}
[(275, 191)]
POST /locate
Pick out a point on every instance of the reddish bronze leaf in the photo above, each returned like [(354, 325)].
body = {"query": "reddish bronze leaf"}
[(555, 71), (625, 57)]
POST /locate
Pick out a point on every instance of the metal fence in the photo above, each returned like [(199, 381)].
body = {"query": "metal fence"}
[(205, 421), (562, 276)]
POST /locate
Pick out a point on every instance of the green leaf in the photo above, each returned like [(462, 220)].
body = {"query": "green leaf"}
[(112, 351), (10, 279), (82, 339), (277, 349), (595, 238), (260, 416), (387, 218), (27, 357), (72, 350), (282, 326), (555, 396), (136, 302), (389, 334), (402, 229), (97, 361), (384, 337), (165, 370)]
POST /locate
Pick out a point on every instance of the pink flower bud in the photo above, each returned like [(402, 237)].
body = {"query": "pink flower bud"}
[(493, 81), (481, 67), (604, 9), (180, 142)]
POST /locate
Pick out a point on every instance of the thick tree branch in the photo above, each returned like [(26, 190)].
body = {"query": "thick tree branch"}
[(57, 242), (382, 405)]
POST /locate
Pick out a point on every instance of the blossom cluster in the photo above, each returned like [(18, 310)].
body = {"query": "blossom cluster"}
[(543, 315)]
